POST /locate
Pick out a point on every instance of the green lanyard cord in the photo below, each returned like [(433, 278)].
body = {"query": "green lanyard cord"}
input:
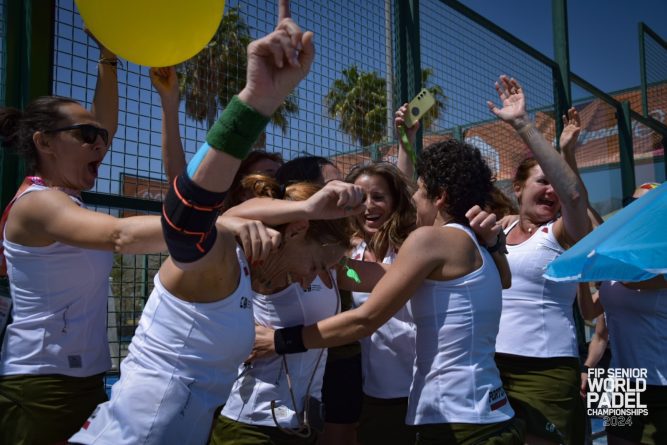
[(408, 146)]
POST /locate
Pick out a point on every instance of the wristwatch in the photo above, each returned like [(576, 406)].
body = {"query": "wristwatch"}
[(500, 245)]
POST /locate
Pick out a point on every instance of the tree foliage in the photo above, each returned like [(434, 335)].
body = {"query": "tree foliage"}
[(359, 101), (209, 80)]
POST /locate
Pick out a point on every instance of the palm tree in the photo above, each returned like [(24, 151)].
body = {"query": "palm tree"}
[(209, 80), (359, 100)]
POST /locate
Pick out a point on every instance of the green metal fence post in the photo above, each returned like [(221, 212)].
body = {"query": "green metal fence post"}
[(29, 67), (642, 69), (457, 132), (562, 88), (407, 60), (626, 156)]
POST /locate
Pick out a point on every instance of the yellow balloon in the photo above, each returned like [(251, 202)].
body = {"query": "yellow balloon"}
[(153, 32)]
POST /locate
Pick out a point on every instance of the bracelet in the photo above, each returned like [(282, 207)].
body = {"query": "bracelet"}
[(585, 368), (500, 245), (289, 340), (113, 61), (237, 129)]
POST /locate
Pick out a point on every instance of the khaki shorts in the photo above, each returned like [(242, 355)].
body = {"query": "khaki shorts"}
[(650, 429), (503, 433), (43, 409), (544, 393), (230, 432)]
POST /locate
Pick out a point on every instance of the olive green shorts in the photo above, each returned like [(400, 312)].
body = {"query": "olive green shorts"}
[(43, 409), (544, 393), (649, 429), (230, 432), (382, 422), (502, 433)]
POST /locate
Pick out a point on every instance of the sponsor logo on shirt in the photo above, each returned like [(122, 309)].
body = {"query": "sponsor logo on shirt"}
[(245, 303), (497, 398), (313, 288), (86, 424)]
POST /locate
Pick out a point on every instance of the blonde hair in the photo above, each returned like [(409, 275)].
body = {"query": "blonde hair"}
[(329, 231)]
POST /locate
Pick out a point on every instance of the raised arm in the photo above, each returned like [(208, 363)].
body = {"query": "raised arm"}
[(105, 101), (571, 191), (568, 143), (276, 64), (165, 82), (405, 163)]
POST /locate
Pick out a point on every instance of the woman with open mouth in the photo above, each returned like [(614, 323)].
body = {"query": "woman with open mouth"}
[(536, 348)]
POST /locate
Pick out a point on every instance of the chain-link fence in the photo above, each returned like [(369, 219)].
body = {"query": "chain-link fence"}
[(343, 110), (653, 66), (465, 59)]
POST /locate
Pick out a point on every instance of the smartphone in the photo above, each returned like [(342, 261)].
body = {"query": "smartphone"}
[(418, 107)]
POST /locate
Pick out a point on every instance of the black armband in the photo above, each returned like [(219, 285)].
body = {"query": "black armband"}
[(289, 340), (188, 218)]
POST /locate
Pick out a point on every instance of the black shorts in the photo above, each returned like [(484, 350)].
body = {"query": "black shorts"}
[(341, 389)]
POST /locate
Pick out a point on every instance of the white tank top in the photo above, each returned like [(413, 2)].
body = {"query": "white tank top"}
[(537, 319), (455, 374), (388, 355), (181, 365), (637, 323), (252, 393), (59, 295)]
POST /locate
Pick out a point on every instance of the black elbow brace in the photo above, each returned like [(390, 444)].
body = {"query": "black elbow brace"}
[(188, 219)]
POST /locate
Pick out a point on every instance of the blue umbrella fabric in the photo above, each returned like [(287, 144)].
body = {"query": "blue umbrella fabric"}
[(629, 246)]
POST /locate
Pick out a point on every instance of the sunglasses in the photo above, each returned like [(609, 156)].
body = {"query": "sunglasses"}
[(88, 132)]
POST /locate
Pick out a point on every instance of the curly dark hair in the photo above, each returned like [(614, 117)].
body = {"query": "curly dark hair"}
[(458, 169)]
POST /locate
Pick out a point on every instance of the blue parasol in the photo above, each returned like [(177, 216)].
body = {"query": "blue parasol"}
[(630, 246)]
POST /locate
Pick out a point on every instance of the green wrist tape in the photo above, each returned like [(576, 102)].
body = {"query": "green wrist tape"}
[(237, 129), (408, 146)]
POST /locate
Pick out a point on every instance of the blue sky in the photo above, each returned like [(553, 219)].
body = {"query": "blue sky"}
[(466, 60), (604, 47)]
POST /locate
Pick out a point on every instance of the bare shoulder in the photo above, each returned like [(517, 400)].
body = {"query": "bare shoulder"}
[(428, 239), (43, 201), (33, 211)]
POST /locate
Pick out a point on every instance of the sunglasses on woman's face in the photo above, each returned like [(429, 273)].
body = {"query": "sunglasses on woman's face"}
[(87, 132)]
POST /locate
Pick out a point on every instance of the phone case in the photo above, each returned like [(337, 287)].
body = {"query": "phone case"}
[(419, 106)]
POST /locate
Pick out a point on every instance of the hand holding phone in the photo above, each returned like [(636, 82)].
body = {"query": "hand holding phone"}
[(418, 107)]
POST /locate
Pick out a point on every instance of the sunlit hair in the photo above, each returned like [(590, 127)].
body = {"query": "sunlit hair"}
[(523, 171), (403, 216), (500, 204), (459, 170), (18, 127), (331, 231), (235, 195)]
